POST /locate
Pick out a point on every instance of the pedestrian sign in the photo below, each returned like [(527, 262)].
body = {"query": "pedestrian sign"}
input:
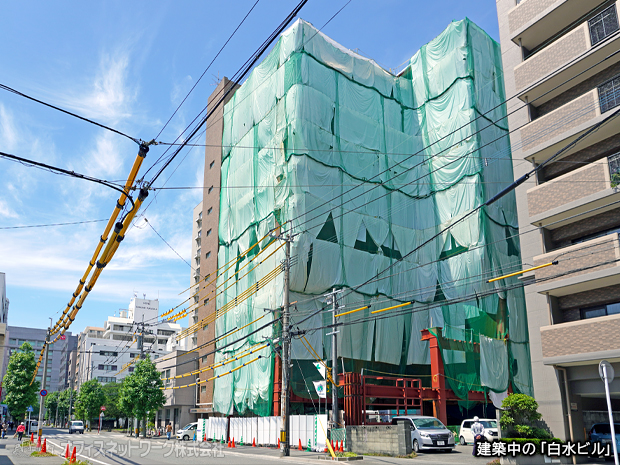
[(29, 409)]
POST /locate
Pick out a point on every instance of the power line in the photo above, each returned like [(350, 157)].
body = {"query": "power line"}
[(63, 171), (207, 68), (52, 224), (166, 242), (116, 131)]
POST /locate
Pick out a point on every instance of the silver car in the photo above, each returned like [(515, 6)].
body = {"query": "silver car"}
[(427, 433), (76, 427)]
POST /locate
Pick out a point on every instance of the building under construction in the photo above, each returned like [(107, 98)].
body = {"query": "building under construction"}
[(364, 167)]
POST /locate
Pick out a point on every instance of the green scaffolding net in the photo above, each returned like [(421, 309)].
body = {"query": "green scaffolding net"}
[(367, 166)]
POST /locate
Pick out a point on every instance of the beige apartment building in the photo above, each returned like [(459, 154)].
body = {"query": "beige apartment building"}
[(559, 64), (196, 279)]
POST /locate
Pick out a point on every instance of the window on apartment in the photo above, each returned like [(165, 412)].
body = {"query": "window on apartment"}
[(609, 94), (208, 254), (209, 232), (210, 189), (600, 310), (211, 164), (203, 389), (209, 210), (107, 353), (603, 25)]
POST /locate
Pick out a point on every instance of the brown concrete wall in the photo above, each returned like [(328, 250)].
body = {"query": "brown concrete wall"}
[(592, 255), (526, 11), (562, 237), (210, 220), (573, 186), (565, 118), (581, 337), (551, 57), (589, 154)]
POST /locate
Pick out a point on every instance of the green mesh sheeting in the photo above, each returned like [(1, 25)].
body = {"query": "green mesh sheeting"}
[(314, 120)]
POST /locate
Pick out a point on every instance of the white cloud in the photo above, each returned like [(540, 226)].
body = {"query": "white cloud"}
[(8, 132), (6, 211)]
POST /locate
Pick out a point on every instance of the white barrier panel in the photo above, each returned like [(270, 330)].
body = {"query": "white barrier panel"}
[(217, 428), (320, 433), (203, 429), (263, 431)]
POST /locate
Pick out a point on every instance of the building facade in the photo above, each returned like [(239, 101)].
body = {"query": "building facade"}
[(196, 278), (562, 80), (4, 314), (68, 355), (180, 408), (108, 353), (56, 367)]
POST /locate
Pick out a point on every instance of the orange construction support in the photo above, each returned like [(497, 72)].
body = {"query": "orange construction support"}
[(438, 379)]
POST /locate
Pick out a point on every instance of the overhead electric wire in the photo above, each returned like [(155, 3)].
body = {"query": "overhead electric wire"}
[(166, 242), (57, 170), (52, 224), (103, 126), (207, 68), (496, 197)]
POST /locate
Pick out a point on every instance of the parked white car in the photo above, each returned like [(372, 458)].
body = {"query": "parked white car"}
[(187, 432), (490, 430)]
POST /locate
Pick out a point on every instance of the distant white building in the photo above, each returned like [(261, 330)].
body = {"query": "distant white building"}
[(196, 277), (106, 353)]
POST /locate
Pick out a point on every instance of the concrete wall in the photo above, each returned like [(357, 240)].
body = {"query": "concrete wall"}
[(390, 439)]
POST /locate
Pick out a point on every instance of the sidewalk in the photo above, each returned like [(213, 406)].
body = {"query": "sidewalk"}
[(11, 452)]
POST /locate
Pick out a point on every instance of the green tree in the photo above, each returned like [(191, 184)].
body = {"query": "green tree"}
[(63, 404), (519, 417), (19, 392), (51, 403), (142, 391), (112, 395), (89, 400)]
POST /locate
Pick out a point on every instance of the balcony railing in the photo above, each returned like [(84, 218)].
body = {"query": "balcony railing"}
[(580, 341), (601, 253), (574, 186)]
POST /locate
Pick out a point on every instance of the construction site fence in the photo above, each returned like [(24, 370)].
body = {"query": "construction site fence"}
[(309, 430)]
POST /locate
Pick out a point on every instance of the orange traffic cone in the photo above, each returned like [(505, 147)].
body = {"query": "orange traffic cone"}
[(342, 446), (228, 443), (326, 450), (299, 446), (278, 443), (44, 448), (233, 445), (31, 438), (67, 452), (332, 444), (253, 442), (39, 443), (73, 456)]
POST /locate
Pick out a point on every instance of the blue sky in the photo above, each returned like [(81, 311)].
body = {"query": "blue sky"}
[(128, 65)]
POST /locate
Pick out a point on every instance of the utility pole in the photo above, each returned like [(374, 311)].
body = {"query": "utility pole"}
[(43, 380), (285, 449), (334, 301), (70, 398)]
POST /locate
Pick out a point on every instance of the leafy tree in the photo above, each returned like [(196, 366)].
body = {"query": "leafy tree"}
[(112, 397), (89, 400), (519, 417), (19, 392), (51, 402), (64, 398), (142, 391)]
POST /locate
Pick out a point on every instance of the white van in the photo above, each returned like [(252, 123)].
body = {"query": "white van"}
[(490, 430)]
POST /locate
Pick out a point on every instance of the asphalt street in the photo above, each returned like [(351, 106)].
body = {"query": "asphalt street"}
[(118, 449)]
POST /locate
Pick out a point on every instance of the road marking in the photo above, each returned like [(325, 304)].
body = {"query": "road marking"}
[(88, 458)]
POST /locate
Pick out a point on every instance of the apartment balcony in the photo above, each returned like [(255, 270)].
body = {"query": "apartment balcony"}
[(537, 77), (536, 21), (543, 137), (581, 342), (575, 193), (588, 265)]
